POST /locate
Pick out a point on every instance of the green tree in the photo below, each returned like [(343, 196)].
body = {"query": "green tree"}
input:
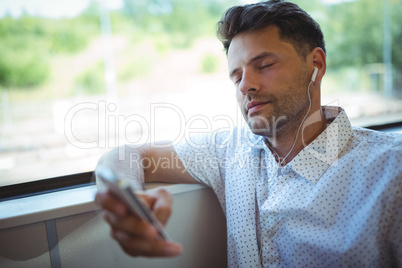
[(27, 43), (181, 20), (354, 34), (24, 60)]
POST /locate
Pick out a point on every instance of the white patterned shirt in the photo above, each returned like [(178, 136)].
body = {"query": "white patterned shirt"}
[(338, 203)]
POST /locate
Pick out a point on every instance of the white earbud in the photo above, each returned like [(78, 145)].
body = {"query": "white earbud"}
[(314, 74)]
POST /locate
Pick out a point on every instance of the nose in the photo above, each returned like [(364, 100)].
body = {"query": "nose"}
[(249, 83)]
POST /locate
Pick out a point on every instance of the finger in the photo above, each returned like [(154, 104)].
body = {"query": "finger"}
[(131, 225), (162, 207), (147, 199), (109, 202), (146, 248)]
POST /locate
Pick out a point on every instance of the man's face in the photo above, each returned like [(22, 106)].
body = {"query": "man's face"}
[(271, 81)]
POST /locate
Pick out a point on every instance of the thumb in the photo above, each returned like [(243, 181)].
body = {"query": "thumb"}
[(162, 207)]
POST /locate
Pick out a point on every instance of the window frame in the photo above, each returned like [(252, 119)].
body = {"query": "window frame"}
[(48, 185)]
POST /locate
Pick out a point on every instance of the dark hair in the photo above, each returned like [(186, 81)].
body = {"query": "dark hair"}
[(295, 25)]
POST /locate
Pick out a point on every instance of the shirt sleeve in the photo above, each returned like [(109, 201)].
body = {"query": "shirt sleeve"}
[(205, 156)]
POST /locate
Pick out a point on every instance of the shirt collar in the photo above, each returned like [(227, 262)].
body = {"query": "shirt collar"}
[(312, 162)]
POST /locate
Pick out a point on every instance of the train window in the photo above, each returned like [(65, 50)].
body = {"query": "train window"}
[(78, 78)]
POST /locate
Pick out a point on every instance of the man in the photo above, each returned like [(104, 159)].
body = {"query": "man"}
[(299, 186)]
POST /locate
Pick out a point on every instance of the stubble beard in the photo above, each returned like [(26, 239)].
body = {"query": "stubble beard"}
[(288, 111)]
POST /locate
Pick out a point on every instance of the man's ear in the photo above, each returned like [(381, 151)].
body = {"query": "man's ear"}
[(318, 59)]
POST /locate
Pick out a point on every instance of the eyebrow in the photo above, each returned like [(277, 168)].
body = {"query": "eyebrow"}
[(252, 60)]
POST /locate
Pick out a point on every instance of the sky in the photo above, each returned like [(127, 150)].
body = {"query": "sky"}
[(335, 1), (70, 8), (49, 8)]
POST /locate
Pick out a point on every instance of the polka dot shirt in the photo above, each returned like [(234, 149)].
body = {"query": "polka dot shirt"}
[(338, 203)]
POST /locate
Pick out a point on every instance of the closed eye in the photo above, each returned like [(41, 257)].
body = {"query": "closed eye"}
[(266, 66), (236, 80)]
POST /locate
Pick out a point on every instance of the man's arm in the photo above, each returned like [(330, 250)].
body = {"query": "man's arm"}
[(164, 165), (148, 164), (144, 164)]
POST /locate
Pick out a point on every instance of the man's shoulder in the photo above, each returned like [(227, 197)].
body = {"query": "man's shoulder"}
[(377, 143), (377, 137), (378, 153), (235, 137), (225, 138)]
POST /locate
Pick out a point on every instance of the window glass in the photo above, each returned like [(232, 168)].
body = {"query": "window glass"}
[(78, 78), (364, 62), (51, 59)]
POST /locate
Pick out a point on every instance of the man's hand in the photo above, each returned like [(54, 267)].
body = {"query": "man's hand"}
[(135, 236)]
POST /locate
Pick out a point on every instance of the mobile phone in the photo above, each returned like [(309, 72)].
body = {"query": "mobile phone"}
[(123, 190)]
